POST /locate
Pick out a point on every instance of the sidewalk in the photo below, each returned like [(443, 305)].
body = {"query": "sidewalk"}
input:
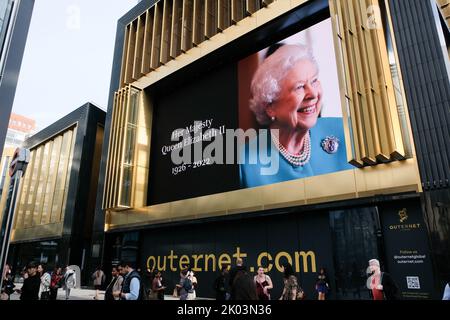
[(78, 294)]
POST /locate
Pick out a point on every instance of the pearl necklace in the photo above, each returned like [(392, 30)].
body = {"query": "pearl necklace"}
[(296, 160)]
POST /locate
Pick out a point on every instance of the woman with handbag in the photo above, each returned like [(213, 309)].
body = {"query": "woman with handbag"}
[(45, 283)]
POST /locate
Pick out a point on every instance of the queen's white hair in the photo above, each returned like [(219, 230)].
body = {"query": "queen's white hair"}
[(266, 83)]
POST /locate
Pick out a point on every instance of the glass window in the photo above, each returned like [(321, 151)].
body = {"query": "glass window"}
[(350, 226)]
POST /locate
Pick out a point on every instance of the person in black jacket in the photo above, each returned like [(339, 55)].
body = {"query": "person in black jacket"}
[(30, 288), (220, 285)]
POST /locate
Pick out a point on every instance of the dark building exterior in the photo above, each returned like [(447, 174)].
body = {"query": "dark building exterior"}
[(55, 210), (177, 62), (15, 16)]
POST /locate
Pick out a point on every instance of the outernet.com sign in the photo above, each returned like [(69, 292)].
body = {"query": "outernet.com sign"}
[(302, 261)]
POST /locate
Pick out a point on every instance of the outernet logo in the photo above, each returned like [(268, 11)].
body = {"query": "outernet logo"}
[(403, 215)]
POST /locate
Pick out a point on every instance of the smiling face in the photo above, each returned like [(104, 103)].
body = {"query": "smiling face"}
[(300, 99)]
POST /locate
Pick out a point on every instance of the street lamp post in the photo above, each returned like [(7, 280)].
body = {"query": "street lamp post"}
[(17, 169)]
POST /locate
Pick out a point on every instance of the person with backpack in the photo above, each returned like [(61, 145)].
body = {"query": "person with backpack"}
[(185, 285), (70, 281), (132, 286)]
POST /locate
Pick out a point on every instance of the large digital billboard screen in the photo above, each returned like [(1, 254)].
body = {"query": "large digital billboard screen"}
[(270, 117)]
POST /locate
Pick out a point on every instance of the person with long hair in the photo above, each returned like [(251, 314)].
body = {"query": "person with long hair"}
[(291, 286)]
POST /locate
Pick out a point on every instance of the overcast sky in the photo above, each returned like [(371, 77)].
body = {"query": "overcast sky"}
[(68, 57)]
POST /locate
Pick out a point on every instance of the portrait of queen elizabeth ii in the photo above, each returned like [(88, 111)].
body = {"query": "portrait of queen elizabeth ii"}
[(287, 99)]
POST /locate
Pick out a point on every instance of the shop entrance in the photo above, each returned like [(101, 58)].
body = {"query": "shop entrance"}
[(357, 238)]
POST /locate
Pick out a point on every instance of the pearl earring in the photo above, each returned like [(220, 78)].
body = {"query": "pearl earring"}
[(272, 118)]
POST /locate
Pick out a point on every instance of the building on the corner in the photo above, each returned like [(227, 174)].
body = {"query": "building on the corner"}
[(15, 17), (55, 206), (384, 70)]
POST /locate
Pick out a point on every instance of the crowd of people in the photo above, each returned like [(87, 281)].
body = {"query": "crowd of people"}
[(235, 283), (38, 283)]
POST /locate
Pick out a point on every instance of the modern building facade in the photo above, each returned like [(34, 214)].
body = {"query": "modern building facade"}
[(55, 209), (19, 129), (15, 17), (182, 77)]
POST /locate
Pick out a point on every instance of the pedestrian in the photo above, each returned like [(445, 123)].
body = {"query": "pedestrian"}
[(8, 284), (233, 272), (99, 279), (132, 286), (157, 286), (219, 285), (244, 287), (185, 285), (322, 286), (446, 295), (44, 290), (31, 284), (115, 285), (69, 281), (381, 283), (55, 282), (192, 295), (291, 290), (263, 284)]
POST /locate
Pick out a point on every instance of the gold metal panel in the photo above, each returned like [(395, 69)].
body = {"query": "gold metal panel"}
[(130, 52), (156, 41), (224, 14), (139, 47), (124, 56), (61, 187), (35, 182), (54, 176), (198, 31), (210, 18), (238, 10), (68, 173), (252, 6), (403, 110), (187, 25), (37, 232), (375, 128), (28, 221), (108, 161), (148, 40), (166, 31), (177, 25), (444, 6), (40, 197)]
